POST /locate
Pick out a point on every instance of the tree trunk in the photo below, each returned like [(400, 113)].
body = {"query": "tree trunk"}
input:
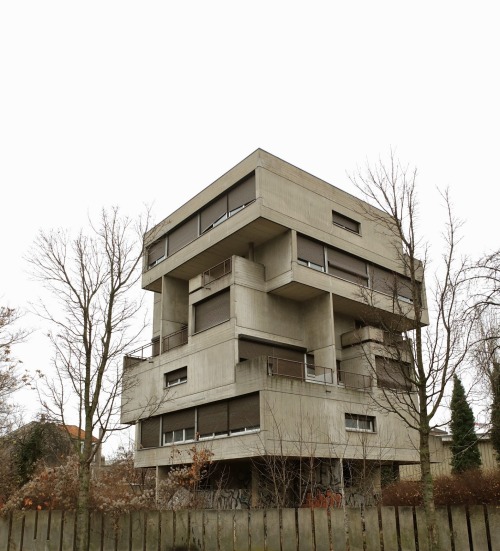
[(428, 489), (83, 506)]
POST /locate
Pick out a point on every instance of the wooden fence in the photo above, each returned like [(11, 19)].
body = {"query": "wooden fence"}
[(376, 529)]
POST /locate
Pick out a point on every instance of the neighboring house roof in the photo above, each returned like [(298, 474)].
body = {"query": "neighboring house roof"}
[(76, 432)]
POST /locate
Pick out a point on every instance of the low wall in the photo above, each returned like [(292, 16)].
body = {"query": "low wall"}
[(387, 528)]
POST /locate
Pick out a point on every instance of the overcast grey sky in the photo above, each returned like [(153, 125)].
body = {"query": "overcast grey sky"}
[(125, 103)]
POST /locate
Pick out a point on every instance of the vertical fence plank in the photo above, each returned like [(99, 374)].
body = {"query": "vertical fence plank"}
[(338, 529), (305, 529), (423, 537), (4, 531), (16, 535), (167, 530), (137, 530), (123, 532), (443, 529), (321, 534), (152, 522), (96, 528), (30, 530), (55, 531), (478, 527), (289, 529), (110, 529), (406, 532), (273, 530), (42, 530), (241, 530), (196, 529), (460, 531), (389, 530), (257, 530), (210, 521), (355, 528), (372, 530), (68, 531), (181, 529), (494, 522), (226, 529)]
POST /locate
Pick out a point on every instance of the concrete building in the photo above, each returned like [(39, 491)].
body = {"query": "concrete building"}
[(271, 288)]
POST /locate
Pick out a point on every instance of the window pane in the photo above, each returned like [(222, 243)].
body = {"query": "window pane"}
[(190, 433), (311, 251), (178, 435), (212, 311), (345, 222)]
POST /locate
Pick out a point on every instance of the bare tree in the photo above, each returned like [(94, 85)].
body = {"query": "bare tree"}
[(427, 356), (485, 357), (10, 378), (93, 313)]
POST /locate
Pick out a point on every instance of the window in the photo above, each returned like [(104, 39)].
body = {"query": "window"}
[(212, 311), (235, 416), (157, 251), (391, 283), (228, 205), (347, 267), (393, 374), (150, 432), (182, 235), (310, 253), (244, 413), (176, 377), (178, 426), (363, 423), (345, 222)]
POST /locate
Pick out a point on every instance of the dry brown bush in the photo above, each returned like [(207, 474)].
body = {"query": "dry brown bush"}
[(474, 487)]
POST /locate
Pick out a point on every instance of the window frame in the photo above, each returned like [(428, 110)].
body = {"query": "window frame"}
[(348, 219), (360, 418), (179, 381)]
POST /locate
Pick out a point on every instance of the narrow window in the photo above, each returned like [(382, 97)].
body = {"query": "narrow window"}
[(310, 253), (182, 235), (176, 377), (150, 432), (244, 413), (345, 222), (157, 251)]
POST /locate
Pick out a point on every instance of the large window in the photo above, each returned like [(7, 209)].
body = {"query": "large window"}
[(212, 311), (345, 222), (235, 416), (225, 206), (393, 374), (178, 426), (352, 268), (347, 267), (363, 423)]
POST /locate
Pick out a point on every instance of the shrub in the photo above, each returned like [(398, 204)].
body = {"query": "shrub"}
[(474, 487)]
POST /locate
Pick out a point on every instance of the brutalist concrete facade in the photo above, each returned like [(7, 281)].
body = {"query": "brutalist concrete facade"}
[(271, 288)]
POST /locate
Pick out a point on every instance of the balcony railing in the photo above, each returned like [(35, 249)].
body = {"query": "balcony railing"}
[(282, 367), (217, 271), (175, 339), (354, 380), (142, 353)]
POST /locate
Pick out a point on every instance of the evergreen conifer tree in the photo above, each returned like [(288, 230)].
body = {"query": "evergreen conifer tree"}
[(464, 447)]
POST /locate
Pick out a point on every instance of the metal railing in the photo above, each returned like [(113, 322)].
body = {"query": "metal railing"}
[(178, 338), (354, 380), (217, 271), (144, 352), (282, 367)]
